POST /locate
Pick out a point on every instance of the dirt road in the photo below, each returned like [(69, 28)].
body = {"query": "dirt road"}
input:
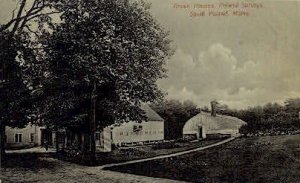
[(46, 169)]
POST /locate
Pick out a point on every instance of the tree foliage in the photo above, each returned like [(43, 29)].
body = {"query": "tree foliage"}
[(271, 118), (15, 94), (100, 62), (115, 49), (17, 56), (175, 114), (103, 55)]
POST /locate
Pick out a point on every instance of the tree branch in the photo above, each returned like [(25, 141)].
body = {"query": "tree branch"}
[(23, 3), (49, 13), (29, 13), (33, 12), (13, 12), (30, 30)]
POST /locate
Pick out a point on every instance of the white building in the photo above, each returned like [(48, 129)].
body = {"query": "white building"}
[(149, 131), (31, 135), (21, 137), (204, 124)]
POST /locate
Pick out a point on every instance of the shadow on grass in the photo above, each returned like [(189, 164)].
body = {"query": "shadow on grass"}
[(120, 155), (242, 160), (101, 159), (29, 161)]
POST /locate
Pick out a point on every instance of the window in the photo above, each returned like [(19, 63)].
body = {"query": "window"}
[(137, 128), (121, 133), (97, 135), (60, 138), (18, 137), (32, 137)]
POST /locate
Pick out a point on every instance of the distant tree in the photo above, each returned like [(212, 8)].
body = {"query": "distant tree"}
[(102, 61), (175, 114), (271, 109), (272, 118), (292, 106), (205, 109)]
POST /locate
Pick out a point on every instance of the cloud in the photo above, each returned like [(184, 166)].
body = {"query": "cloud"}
[(217, 74), (241, 61)]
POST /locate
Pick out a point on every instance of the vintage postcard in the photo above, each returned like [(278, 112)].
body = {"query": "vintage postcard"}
[(149, 91)]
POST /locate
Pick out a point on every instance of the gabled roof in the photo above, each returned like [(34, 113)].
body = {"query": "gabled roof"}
[(150, 113)]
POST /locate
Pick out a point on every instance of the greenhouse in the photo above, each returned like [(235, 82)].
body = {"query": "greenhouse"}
[(204, 124)]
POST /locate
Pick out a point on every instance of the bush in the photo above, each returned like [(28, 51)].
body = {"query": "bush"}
[(166, 145), (131, 152)]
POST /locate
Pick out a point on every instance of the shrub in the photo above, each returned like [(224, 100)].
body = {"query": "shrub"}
[(166, 145)]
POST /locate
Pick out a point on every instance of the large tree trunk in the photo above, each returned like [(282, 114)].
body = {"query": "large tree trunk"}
[(89, 144), (86, 158), (93, 148), (2, 141), (56, 139), (93, 125)]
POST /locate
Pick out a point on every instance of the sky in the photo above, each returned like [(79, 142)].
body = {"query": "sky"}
[(238, 61)]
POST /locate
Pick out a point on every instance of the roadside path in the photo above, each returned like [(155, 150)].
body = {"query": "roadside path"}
[(168, 155), (32, 150), (54, 170)]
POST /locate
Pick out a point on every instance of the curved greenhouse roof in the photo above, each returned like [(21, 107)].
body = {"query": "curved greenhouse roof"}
[(220, 124)]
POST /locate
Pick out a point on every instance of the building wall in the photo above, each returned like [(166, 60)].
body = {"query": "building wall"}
[(145, 131), (220, 124), (195, 133), (104, 140), (26, 135)]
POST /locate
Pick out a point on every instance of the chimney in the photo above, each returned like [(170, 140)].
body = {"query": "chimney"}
[(213, 108)]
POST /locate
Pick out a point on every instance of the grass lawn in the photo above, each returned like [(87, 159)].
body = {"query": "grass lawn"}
[(31, 168), (141, 152), (116, 156), (255, 159)]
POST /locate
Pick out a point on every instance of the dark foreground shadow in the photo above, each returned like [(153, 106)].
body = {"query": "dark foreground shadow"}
[(242, 160), (29, 161)]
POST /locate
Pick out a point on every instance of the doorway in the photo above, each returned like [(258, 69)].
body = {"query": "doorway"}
[(200, 132), (46, 135)]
